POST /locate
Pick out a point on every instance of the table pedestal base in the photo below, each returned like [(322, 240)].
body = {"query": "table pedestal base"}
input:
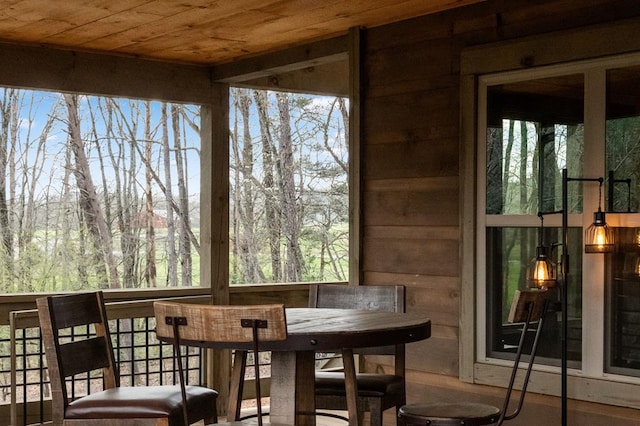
[(290, 373)]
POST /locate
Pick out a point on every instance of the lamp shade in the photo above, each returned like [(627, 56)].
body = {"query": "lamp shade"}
[(598, 238), (541, 271)]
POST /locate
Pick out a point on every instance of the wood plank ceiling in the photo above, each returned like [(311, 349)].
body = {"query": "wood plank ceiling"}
[(197, 31)]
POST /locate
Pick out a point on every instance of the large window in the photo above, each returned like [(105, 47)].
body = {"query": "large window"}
[(288, 187), (97, 192), (585, 118)]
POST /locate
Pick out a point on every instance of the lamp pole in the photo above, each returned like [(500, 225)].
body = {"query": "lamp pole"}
[(564, 288), (564, 299)]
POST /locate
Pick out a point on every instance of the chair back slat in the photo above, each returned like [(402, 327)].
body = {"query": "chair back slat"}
[(83, 356), (388, 298), (217, 323), (522, 301), (75, 310)]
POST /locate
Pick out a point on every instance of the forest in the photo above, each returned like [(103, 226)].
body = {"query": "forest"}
[(101, 192)]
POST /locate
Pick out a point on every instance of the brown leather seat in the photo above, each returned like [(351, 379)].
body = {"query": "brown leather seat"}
[(140, 402), (139, 405)]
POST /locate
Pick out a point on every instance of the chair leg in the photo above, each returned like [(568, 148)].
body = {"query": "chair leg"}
[(375, 411), (237, 385), (211, 420)]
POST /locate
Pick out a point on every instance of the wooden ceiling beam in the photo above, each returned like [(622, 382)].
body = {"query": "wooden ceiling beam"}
[(330, 79), (283, 61), (69, 71)]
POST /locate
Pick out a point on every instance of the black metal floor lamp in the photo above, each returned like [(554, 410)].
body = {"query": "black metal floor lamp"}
[(598, 239)]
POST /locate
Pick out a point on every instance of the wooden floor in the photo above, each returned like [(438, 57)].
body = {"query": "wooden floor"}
[(320, 420)]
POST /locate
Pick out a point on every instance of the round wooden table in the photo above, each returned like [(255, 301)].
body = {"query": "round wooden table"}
[(318, 329)]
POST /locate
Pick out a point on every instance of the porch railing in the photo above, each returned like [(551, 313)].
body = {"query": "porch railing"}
[(142, 359)]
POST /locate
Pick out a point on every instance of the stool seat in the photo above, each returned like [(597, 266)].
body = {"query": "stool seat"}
[(449, 413), (528, 307)]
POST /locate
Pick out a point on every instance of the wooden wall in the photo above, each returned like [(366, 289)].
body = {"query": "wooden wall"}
[(411, 159)]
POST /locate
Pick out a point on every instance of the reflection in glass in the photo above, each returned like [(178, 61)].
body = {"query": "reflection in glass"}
[(509, 249), (535, 128), (623, 266), (623, 139), (623, 304)]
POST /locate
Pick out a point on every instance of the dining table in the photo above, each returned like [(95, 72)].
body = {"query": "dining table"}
[(311, 330)]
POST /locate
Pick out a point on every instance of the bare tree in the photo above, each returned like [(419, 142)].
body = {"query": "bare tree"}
[(150, 272), (184, 224), (172, 273), (92, 214), (6, 245), (32, 160), (273, 219), (295, 261), (296, 173), (246, 208)]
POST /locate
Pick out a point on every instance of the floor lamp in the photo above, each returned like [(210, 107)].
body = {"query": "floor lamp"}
[(598, 239)]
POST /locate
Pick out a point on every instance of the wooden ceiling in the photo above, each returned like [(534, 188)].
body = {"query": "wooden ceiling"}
[(197, 31)]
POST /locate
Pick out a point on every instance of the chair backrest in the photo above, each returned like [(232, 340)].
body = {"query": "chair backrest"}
[(390, 298), (216, 323), (528, 307), (220, 323), (69, 353)]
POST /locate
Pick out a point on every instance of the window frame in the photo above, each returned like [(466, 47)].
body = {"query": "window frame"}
[(591, 382)]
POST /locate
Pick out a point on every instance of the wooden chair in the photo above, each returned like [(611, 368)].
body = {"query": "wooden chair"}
[(376, 392), (229, 324), (115, 405), (529, 307)]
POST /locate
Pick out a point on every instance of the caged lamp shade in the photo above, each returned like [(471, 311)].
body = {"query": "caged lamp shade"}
[(541, 272), (598, 238)]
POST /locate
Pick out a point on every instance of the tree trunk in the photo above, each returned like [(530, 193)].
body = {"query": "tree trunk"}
[(172, 273), (294, 263), (269, 184), (90, 207), (183, 194), (247, 240), (506, 160), (150, 271), (6, 244)]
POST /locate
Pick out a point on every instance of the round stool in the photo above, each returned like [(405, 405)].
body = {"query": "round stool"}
[(444, 414)]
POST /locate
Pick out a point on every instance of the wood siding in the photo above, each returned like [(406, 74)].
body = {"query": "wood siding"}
[(413, 164)]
